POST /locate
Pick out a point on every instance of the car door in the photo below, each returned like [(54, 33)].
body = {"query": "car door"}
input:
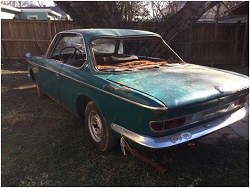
[(61, 51), (49, 76), (49, 73), (72, 71)]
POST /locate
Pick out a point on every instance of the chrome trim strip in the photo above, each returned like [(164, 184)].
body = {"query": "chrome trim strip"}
[(43, 67), (183, 136), (119, 97), (74, 67)]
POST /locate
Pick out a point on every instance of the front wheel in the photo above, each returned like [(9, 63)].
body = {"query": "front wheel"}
[(97, 129)]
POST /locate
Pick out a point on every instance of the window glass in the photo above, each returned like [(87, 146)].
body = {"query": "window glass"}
[(32, 18), (69, 49), (69, 41), (103, 46)]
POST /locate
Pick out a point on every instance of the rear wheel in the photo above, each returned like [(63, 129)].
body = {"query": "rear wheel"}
[(97, 129)]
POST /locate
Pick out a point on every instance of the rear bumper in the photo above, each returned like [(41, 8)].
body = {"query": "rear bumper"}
[(183, 136)]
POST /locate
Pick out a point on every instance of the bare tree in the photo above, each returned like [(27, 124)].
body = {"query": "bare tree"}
[(16, 3), (162, 10), (96, 14), (181, 21), (223, 6), (115, 14), (41, 3), (185, 18), (157, 8)]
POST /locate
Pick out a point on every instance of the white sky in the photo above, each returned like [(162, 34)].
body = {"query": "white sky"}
[(47, 2)]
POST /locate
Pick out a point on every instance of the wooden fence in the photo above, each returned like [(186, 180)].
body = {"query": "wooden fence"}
[(21, 36), (199, 45)]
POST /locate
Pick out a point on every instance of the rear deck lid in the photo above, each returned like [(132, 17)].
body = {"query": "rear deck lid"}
[(183, 84)]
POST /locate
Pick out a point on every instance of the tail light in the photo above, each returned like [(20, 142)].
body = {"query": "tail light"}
[(166, 125)]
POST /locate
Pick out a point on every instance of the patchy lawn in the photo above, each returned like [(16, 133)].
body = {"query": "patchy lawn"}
[(45, 145)]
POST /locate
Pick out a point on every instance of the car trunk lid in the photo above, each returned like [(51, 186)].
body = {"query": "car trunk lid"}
[(183, 84)]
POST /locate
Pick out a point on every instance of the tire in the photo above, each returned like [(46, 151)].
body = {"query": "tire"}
[(41, 94), (97, 129)]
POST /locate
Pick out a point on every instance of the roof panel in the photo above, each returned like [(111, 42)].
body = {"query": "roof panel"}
[(94, 33)]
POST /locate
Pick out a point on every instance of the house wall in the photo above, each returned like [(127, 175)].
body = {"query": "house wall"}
[(40, 15)]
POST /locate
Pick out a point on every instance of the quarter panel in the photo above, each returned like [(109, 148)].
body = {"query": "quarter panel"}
[(75, 82)]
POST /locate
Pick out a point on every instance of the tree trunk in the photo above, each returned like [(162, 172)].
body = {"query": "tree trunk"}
[(185, 18), (178, 23), (110, 14)]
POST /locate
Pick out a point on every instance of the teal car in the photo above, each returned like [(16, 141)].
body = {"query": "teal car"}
[(131, 84)]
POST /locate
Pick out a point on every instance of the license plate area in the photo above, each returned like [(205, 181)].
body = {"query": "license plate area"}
[(207, 114)]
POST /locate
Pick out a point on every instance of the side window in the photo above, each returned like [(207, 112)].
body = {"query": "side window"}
[(70, 49)]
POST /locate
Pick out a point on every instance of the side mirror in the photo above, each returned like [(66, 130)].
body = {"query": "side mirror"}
[(28, 55)]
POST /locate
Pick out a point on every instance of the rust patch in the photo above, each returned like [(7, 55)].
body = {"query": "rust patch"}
[(132, 64), (116, 89), (134, 152)]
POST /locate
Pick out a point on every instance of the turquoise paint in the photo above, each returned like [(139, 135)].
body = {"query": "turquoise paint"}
[(182, 84), (183, 88), (90, 34)]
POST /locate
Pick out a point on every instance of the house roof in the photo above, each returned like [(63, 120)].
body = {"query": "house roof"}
[(233, 19), (58, 10), (31, 9), (55, 9), (236, 14), (39, 9), (240, 9), (10, 8)]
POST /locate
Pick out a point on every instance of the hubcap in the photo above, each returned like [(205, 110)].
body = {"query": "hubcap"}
[(95, 126)]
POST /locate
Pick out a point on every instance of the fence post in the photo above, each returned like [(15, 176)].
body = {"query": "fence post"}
[(49, 28), (244, 44), (2, 54), (236, 42)]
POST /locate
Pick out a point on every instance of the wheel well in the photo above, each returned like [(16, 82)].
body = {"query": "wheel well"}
[(32, 75), (81, 104)]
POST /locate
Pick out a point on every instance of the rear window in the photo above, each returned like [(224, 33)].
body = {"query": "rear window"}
[(131, 53)]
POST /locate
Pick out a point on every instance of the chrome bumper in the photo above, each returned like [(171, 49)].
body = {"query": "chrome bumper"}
[(183, 136)]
